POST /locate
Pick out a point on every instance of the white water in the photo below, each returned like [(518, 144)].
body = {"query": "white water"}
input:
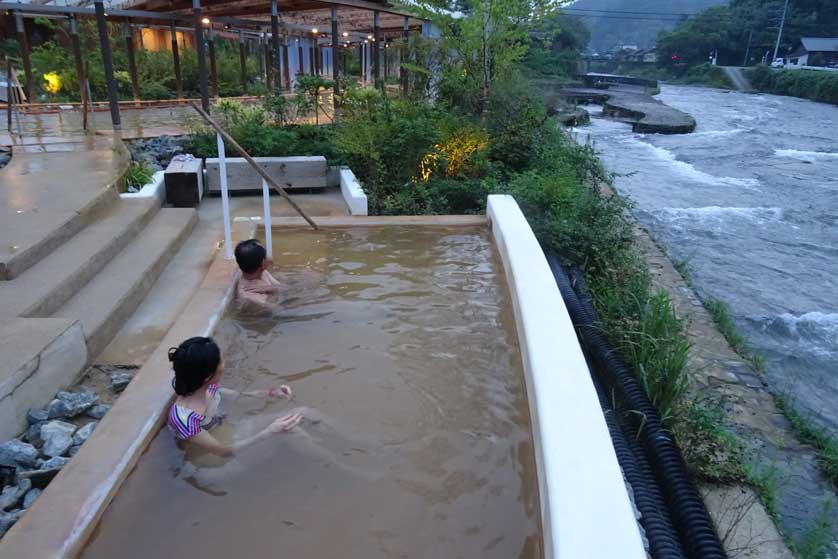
[(750, 200)]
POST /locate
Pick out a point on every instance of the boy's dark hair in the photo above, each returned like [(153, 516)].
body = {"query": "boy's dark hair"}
[(249, 255), (194, 361)]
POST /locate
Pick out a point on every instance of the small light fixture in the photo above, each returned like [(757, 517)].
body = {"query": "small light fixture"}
[(205, 21), (365, 41), (314, 30), (369, 36), (345, 34)]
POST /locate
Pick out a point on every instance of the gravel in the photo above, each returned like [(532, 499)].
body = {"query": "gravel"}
[(57, 436)]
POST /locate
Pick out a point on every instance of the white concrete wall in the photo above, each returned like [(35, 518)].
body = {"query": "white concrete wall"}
[(585, 508), (352, 193), (155, 189)]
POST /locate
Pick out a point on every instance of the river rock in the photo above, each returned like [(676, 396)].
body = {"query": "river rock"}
[(73, 450), (30, 497), (37, 415), (12, 494), (119, 381), (18, 453), (98, 411), (7, 519), (84, 433), (33, 434), (71, 404), (57, 436)]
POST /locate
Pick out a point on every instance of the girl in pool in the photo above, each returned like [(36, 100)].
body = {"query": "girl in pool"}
[(198, 367)]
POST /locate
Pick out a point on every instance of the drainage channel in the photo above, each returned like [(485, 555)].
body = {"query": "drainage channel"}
[(673, 514)]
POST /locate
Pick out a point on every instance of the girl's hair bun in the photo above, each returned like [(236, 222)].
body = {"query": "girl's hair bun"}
[(194, 362)]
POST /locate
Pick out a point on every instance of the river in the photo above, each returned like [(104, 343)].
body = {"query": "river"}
[(750, 202)]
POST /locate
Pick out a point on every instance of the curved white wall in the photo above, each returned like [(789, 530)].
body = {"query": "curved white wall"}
[(585, 508)]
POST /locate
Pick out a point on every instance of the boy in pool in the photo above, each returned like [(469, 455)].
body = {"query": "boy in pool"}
[(256, 284), (198, 367)]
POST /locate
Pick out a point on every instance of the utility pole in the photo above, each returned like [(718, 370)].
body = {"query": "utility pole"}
[(780, 32), (748, 48)]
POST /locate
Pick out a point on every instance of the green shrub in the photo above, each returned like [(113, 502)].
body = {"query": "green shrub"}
[(816, 85), (139, 174)]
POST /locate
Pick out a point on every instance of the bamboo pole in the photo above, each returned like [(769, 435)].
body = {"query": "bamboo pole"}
[(258, 168)]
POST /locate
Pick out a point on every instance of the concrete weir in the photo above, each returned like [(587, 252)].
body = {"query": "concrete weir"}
[(624, 98), (585, 508)]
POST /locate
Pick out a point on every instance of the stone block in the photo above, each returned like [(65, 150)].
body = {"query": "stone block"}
[(40, 357), (288, 172), (184, 180)]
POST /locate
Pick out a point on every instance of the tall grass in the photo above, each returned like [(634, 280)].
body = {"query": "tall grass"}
[(809, 433), (720, 313)]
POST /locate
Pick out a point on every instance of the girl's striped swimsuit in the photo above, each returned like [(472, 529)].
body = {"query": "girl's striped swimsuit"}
[(185, 423)]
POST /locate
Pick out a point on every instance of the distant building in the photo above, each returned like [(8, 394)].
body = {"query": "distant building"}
[(644, 56), (815, 51)]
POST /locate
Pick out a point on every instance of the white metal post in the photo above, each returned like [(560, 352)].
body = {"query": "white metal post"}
[(266, 203), (225, 202)]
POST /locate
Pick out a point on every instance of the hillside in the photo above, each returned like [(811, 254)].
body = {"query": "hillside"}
[(609, 29)]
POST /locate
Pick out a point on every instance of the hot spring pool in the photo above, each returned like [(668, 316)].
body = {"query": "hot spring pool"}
[(400, 343)]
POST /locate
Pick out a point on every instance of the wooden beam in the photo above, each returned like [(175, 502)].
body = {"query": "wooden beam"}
[(275, 43), (128, 32), (213, 63), (75, 44), (335, 65), (199, 46), (242, 63)]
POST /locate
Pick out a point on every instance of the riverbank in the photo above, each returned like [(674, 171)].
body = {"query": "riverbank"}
[(742, 204), (820, 86)]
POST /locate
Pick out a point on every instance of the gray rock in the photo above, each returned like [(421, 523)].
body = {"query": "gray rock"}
[(47, 469), (73, 450), (18, 453), (30, 497), (7, 519), (57, 436), (84, 433), (119, 381), (74, 402), (33, 434), (12, 494), (57, 409), (37, 415), (98, 411), (56, 462)]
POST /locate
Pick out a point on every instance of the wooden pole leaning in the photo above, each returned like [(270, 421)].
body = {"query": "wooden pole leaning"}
[(258, 168)]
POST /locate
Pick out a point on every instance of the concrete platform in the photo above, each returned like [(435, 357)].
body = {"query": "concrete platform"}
[(46, 198), (39, 357)]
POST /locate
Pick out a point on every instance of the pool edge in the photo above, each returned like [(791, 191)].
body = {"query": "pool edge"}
[(585, 507)]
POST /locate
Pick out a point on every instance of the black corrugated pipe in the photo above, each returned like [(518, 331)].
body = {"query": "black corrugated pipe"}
[(686, 507), (662, 537)]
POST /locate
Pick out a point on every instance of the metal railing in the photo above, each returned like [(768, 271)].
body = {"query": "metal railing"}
[(267, 183)]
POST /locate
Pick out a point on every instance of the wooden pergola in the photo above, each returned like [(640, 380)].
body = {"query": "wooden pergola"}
[(306, 35)]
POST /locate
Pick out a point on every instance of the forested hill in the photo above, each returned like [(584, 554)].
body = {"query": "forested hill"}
[(610, 27)]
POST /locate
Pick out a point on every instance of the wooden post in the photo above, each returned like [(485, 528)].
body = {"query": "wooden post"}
[(403, 54), (285, 66), (10, 95), (268, 64), (176, 61), (386, 63), (260, 54), (27, 63), (80, 73), (213, 63), (335, 64), (107, 59), (312, 63), (376, 51), (275, 45), (363, 57), (242, 62), (128, 33), (199, 46)]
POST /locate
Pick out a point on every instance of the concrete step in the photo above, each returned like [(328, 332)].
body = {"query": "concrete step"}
[(50, 283), (46, 198), (107, 301)]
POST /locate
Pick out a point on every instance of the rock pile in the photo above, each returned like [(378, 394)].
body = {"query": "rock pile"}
[(28, 463), (158, 151)]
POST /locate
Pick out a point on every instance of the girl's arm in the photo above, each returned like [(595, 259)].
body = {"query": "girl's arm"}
[(283, 391), (273, 281), (209, 443)]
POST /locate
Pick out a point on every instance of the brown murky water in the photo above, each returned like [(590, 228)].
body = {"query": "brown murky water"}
[(400, 343)]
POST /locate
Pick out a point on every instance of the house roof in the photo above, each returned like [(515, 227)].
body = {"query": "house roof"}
[(820, 44)]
